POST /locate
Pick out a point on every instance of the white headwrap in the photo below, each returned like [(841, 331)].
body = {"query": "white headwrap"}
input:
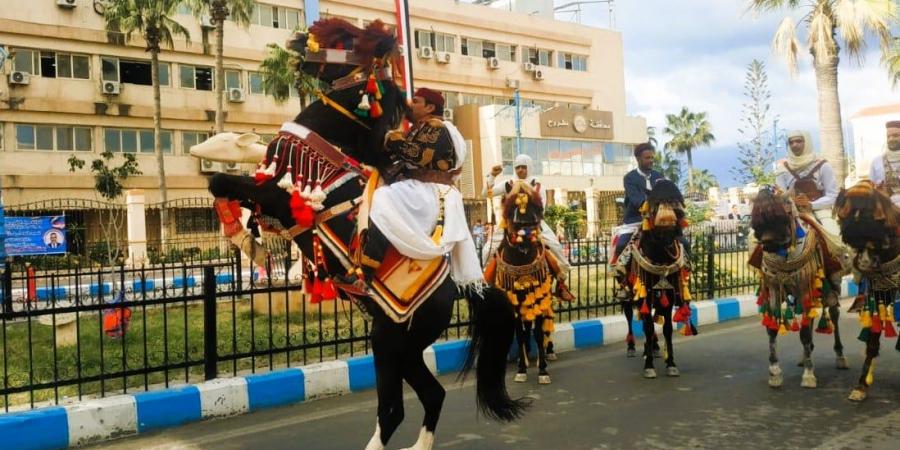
[(522, 160), (797, 163)]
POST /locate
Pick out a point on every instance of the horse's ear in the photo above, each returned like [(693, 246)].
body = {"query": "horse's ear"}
[(509, 186), (247, 139)]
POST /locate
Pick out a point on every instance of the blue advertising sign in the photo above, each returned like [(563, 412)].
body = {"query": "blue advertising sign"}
[(42, 235)]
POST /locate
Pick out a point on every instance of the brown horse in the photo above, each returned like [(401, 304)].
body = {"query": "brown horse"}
[(653, 271), (869, 225), (800, 272), (524, 269)]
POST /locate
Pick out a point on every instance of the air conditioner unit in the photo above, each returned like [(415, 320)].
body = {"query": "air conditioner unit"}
[(538, 74), (528, 66), (230, 166), (442, 57), (426, 52), (68, 4), (448, 114), (207, 166), (111, 87), (493, 63), (512, 84), (17, 77), (206, 22), (236, 95)]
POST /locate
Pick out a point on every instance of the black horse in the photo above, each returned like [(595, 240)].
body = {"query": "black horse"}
[(523, 268), (869, 225), (654, 272), (362, 60)]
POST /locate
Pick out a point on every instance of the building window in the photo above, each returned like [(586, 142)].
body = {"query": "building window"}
[(451, 100), (64, 65), (232, 79), (473, 47), (25, 60), (570, 61), (132, 72), (196, 220), (196, 77), (488, 49), (506, 52), (440, 42), (123, 140), (275, 17), (192, 138), (568, 157), (539, 56), (256, 83), (52, 137)]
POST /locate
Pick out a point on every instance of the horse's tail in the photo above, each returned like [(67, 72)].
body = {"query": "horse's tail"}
[(491, 330)]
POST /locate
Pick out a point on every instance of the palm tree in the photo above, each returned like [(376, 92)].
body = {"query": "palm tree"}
[(891, 59), (651, 137), (668, 165), (825, 21), (239, 11), (279, 75), (153, 20), (689, 130), (703, 180)]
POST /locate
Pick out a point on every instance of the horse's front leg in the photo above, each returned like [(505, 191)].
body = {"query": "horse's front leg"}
[(628, 309), (860, 392), (809, 377), (834, 312), (671, 368), (649, 341), (543, 375), (521, 341), (776, 378)]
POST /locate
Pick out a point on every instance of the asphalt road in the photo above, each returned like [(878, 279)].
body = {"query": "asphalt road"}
[(599, 400)]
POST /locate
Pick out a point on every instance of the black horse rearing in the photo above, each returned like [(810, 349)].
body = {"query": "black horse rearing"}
[(397, 347)]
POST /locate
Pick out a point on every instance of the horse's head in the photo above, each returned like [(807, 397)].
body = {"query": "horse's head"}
[(523, 211), (362, 102), (773, 219), (663, 216), (869, 221)]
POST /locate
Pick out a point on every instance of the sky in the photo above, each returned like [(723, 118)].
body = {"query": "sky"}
[(695, 53)]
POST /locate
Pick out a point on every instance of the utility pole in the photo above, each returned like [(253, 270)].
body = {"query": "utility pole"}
[(517, 98)]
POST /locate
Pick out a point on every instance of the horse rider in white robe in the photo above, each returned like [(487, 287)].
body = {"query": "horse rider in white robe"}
[(419, 194), (803, 173), (522, 166)]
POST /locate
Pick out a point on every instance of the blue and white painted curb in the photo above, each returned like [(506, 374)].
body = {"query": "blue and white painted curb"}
[(98, 420)]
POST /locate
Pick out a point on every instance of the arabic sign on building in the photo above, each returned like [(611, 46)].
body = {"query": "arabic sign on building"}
[(42, 235), (586, 124)]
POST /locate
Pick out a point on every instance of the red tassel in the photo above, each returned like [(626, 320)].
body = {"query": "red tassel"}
[(328, 290), (375, 110), (876, 324), (683, 314), (795, 325), (306, 216), (889, 331), (773, 324), (664, 300), (315, 299), (317, 287), (371, 85), (297, 205), (765, 321), (644, 308)]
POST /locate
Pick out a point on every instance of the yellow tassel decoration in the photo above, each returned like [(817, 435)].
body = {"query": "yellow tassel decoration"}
[(882, 312), (813, 313), (782, 330), (645, 225), (645, 208), (311, 44), (438, 233), (865, 319), (870, 376)]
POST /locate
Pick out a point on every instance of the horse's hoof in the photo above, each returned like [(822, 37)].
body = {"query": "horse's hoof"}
[(631, 353), (776, 378), (551, 357), (808, 381), (543, 379), (649, 373), (841, 363), (520, 378), (857, 395), (673, 371)]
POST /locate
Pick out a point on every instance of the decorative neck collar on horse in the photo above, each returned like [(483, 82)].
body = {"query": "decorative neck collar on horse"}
[(522, 213)]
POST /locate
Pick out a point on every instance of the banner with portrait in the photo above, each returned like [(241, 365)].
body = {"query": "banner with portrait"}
[(40, 235)]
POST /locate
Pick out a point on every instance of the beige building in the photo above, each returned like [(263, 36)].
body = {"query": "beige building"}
[(70, 88)]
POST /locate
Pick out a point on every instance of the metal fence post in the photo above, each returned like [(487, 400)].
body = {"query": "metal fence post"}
[(711, 264), (210, 356), (7, 289)]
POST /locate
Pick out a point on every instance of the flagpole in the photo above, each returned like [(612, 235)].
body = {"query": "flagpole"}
[(405, 38)]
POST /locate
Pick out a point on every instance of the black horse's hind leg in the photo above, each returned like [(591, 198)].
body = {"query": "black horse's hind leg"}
[(543, 375), (628, 309), (860, 392), (430, 392), (834, 311), (389, 385)]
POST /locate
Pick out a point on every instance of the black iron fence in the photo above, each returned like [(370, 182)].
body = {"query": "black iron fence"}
[(82, 332)]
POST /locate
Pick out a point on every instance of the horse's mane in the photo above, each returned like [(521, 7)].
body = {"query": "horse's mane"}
[(866, 214), (772, 210)]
